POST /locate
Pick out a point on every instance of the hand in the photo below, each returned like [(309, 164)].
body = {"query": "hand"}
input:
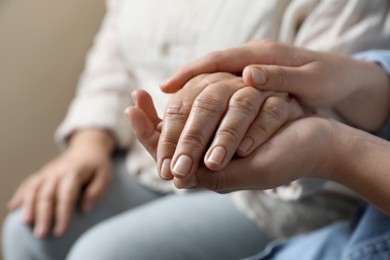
[(309, 147), (81, 174), (275, 112), (358, 91), (301, 148), (220, 114)]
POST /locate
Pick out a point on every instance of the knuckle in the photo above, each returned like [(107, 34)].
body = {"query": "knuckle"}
[(212, 105), (230, 135), (274, 109), (44, 205), (177, 109), (243, 104), (45, 196), (199, 82), (205, 81), (193, 141), (167, 142), (259, 128), (280, 75), (74, 177), (216, 58)]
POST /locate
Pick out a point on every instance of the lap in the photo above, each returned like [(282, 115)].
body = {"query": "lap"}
[(123, 194), (198, 225), (132, 221)]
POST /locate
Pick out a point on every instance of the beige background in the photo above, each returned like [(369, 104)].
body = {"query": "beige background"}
[(42, 49)]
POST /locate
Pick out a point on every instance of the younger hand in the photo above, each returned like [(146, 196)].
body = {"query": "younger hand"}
[(357, 91)]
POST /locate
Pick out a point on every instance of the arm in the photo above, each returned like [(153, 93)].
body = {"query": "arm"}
[(361, 163), (93, 128)]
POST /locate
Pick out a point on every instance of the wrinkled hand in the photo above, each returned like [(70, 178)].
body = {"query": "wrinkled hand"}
[(357, 91), (215, 116), (49, 197), (262, 122)]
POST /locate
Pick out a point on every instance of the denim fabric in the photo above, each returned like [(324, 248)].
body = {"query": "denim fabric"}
[(366, 237), (133, 222)]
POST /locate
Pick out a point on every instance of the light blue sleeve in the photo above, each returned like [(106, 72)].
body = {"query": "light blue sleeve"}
[(381, 57)]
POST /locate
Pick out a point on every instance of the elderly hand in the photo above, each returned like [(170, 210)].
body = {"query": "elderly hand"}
[(213, 115), (308, 147), (358, 91), (49, 197)]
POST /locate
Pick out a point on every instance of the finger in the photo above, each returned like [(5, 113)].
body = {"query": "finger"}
[(275, 112), (175, 118), (144, 101), (45, 208), (231, 178), (29, 200), (144, 129), (243, 108), (188, 182), (206, 113), (95, 189), (145, 123), (17, 198), (296, 81), (234, 61), (67, 194)]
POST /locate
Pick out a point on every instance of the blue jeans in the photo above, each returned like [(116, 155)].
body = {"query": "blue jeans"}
[(365, 237), (133, 222)]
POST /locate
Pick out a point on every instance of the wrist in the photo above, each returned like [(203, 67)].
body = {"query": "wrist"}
[(92, 137), (348, 150), (335, 145), (368, 106)]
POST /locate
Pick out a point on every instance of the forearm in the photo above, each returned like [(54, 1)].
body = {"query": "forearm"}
[(362, 163), (368, 106)]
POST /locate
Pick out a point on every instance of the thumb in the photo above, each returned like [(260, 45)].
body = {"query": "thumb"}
[(276, 78)]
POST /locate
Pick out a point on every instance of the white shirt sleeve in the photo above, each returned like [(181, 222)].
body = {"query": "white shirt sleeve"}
[(104, 87)]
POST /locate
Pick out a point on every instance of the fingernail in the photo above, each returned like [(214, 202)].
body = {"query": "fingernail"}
[(166, 169), (182, 165), (217, 155), (246, 144), (258, 76)]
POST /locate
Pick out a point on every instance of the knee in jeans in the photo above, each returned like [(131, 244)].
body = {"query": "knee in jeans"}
[(17, 237), (91, 245)]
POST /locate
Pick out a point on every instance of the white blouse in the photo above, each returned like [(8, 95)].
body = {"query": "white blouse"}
[(143, 42)]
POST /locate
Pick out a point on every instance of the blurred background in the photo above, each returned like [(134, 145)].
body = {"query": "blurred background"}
[(42, 48)]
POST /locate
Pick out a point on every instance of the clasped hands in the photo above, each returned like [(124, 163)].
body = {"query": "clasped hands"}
[(224, 132)]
